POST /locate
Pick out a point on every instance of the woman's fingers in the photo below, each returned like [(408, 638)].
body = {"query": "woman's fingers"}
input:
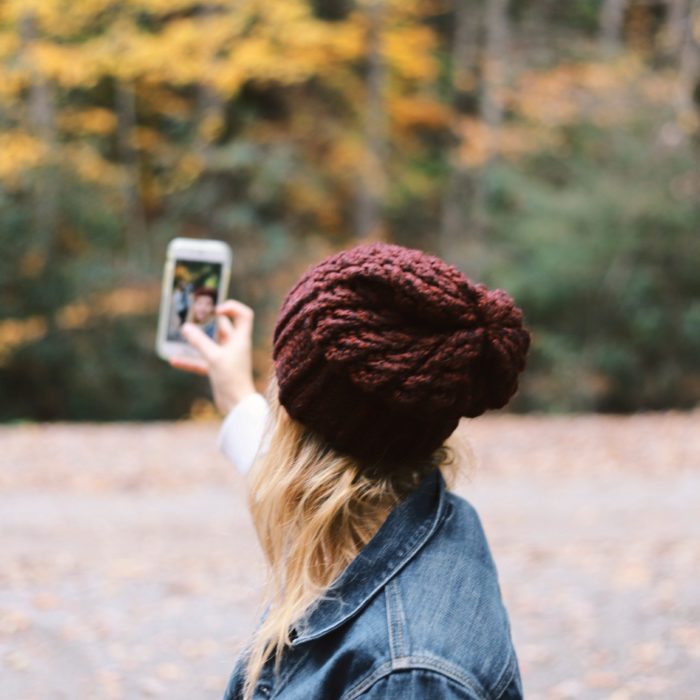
[(226, 329), (233, 307), (200, 341), (241, 314), (189, 365)]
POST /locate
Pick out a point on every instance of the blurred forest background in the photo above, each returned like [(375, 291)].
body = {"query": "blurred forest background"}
[(549, 148)]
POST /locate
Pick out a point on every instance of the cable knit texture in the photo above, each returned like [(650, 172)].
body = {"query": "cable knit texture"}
[(381, 349)]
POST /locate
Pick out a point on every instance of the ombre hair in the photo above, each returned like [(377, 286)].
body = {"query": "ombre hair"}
[(314, 509)]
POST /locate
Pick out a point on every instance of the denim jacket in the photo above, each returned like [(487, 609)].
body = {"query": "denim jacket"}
[(417, 615)]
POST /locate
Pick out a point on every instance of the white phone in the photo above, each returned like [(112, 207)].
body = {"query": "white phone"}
[(196, 277)]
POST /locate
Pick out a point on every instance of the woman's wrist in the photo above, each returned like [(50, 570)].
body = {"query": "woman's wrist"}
[(228, 400)]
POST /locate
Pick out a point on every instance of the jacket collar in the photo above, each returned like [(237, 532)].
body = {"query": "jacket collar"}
[(405, 531)]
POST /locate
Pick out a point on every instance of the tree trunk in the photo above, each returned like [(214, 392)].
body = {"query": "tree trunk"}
[(134, 219), (676, 25), (372, 182), (42, 123), (494, 65), (612, 14), (491, 108), (689, 69), (209, 106), (460, 180)]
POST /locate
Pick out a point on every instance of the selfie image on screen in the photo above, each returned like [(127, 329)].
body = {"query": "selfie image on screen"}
[(194, 294)]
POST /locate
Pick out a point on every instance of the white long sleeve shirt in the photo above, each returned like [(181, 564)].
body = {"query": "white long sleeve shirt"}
[(244, 432)]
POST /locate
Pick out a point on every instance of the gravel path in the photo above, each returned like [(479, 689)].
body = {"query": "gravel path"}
[(130, 569)]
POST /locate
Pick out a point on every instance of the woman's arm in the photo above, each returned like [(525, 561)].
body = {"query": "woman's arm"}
[(229, 366), (242, 434)]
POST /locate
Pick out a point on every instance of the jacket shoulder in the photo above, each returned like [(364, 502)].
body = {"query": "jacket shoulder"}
[(446, 605)]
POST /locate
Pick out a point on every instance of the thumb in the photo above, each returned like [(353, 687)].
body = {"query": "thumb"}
[(199, 340)]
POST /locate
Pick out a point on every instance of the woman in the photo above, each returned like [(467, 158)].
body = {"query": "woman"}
[(382, 584)]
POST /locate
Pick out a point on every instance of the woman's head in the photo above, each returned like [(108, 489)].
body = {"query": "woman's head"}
[(381, 349)]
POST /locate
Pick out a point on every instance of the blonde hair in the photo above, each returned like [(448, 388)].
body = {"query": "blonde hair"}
[(314, 509)]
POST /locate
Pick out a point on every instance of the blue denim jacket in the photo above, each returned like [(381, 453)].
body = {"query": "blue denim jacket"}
[(417, 615)]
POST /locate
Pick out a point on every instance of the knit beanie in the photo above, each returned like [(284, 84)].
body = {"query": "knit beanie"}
[(381, 349)]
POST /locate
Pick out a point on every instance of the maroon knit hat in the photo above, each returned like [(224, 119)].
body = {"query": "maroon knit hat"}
[(380, 349)]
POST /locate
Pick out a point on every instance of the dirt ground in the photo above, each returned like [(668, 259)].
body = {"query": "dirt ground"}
[(129, 568)]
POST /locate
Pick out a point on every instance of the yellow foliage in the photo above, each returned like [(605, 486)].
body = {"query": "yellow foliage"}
[(569, 92), (9, 45), (73, 316), (310, 200), (607, 93), (479, 142), (96, 120), (411, 112), (15, 332), (344, 155), (66, 18), (146, 139), (64, 64), (19, 152), (131, 301), (90, 165), (410, 52), (245, 40), (347, 43), (271, 52), (161, 98), (162, 7), (210, 127), (12, 82), (282, 43), (128, 301)]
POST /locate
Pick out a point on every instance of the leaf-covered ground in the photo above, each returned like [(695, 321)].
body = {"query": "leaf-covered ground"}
[(130, 570)]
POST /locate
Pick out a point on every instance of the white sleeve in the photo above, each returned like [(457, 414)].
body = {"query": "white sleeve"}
[(242, 434)]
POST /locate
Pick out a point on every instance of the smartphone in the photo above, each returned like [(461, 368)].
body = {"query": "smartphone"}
[(196, 277)]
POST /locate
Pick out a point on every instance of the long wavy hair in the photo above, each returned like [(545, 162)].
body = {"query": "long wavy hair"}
[(314, 509)]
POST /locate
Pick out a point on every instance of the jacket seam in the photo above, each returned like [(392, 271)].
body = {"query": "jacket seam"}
[(506, 675), (367, 682), (395, 620), (417, 663)]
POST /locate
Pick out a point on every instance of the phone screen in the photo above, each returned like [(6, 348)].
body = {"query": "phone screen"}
[(194, 296)]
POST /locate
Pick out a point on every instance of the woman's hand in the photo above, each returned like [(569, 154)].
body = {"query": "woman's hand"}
[(228, 363)]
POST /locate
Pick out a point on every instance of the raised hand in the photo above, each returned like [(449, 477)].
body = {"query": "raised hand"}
[(228, 363)]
